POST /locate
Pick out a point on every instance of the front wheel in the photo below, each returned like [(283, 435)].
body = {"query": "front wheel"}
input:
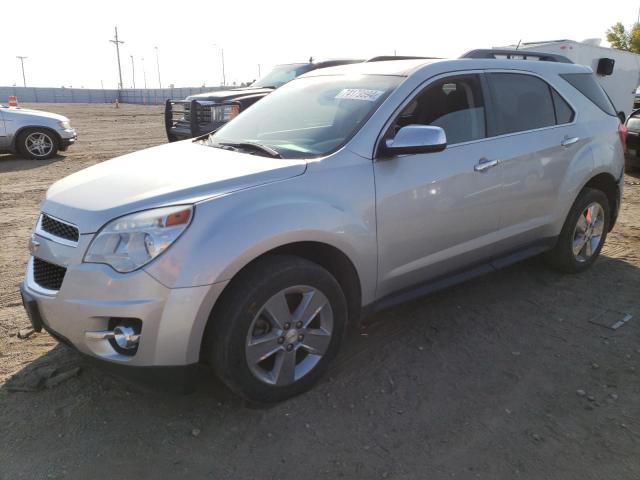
[(277, 329), (583, 234), (38, 144)]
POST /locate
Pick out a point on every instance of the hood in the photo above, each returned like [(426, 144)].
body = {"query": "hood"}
[(33, 113), (176, 173), (226, 95)]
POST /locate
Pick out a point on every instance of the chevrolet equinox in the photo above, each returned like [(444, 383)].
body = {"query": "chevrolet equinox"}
[(349, 189)]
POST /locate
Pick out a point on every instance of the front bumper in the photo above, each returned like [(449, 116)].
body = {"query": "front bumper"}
[(67, 137), (92, 295), (180, 378)]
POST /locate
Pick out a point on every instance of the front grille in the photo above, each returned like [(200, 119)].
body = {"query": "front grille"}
[(48, 275), (59, 229), (204, 113)]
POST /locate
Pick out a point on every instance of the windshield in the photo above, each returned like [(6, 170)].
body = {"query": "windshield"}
[(281, 75), (309, 117)]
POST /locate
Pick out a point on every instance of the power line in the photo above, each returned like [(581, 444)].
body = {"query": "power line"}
[(117, 44), (24, 80)]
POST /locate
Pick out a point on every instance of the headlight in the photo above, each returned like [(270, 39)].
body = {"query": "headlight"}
[(127, 243), (224, 113), (65, 125)]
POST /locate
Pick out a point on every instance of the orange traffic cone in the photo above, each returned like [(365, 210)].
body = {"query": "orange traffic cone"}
[(13, 101)]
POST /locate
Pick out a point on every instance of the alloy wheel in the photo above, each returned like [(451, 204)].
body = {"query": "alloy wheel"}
[(289, 335), (587, 234), (39, 144)]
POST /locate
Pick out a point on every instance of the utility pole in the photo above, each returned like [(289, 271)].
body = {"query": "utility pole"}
[(24, 80), (133, 72), (144, 73), (224, 79), (117, 44), (158, 63)]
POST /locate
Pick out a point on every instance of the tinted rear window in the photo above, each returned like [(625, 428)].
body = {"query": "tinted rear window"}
[(523, 102), (586, 84)]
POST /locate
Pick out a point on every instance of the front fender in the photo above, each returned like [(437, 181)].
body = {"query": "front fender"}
[(229, 232)]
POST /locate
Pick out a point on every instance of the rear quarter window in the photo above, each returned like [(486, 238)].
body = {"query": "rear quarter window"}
[(564, 113), (586, 84)]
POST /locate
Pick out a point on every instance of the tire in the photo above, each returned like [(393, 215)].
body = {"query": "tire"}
[(37, 143), (251, 324), (563, 256)]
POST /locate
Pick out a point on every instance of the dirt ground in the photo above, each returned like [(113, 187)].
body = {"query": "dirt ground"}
[(511, 376)]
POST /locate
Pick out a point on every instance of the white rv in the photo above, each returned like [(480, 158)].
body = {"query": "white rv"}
[(617, 71)]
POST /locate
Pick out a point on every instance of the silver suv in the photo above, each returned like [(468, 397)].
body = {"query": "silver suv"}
[(33, 133), (347, 190)]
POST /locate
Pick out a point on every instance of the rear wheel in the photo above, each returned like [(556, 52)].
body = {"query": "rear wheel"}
[(583, 234), (277, 329), (38, 144)]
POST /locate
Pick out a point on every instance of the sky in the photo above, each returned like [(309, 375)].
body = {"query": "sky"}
[(67, 43)]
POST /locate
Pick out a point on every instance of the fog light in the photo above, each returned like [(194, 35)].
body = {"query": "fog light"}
[(125, 337)]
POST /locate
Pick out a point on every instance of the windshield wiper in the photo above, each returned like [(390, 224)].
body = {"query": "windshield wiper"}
[(252, 146), (222, 146)]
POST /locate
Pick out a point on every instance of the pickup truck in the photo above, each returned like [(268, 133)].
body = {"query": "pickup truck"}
[(206, 112)]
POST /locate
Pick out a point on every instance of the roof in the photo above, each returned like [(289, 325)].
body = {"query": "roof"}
[(391, 67), (323, 63), (543, 42), (404, 68), (336, 62)]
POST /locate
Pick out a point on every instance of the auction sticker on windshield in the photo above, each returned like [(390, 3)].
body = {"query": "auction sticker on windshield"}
[(359, 94)]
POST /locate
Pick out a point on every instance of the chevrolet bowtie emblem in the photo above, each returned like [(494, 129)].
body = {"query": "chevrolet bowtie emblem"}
[(33, 244)]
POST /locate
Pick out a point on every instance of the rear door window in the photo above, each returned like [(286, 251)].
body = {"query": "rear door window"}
[(522, 102), (586, 84)]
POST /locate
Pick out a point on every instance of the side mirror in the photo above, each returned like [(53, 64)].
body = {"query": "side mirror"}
[(416, 139)]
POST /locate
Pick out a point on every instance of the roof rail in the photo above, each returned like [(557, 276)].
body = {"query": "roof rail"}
[(523, 54), (384, 58)]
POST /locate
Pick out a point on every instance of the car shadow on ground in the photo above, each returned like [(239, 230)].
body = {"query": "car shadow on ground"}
[(13, 163), (478, 379)]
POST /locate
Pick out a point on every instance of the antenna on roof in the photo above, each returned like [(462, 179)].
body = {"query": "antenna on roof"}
[(518, 46)]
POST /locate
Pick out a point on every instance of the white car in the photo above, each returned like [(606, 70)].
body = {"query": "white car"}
[(33, 133)]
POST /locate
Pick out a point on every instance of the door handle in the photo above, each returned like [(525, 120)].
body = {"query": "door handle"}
[(569, 141), (484, 164)]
